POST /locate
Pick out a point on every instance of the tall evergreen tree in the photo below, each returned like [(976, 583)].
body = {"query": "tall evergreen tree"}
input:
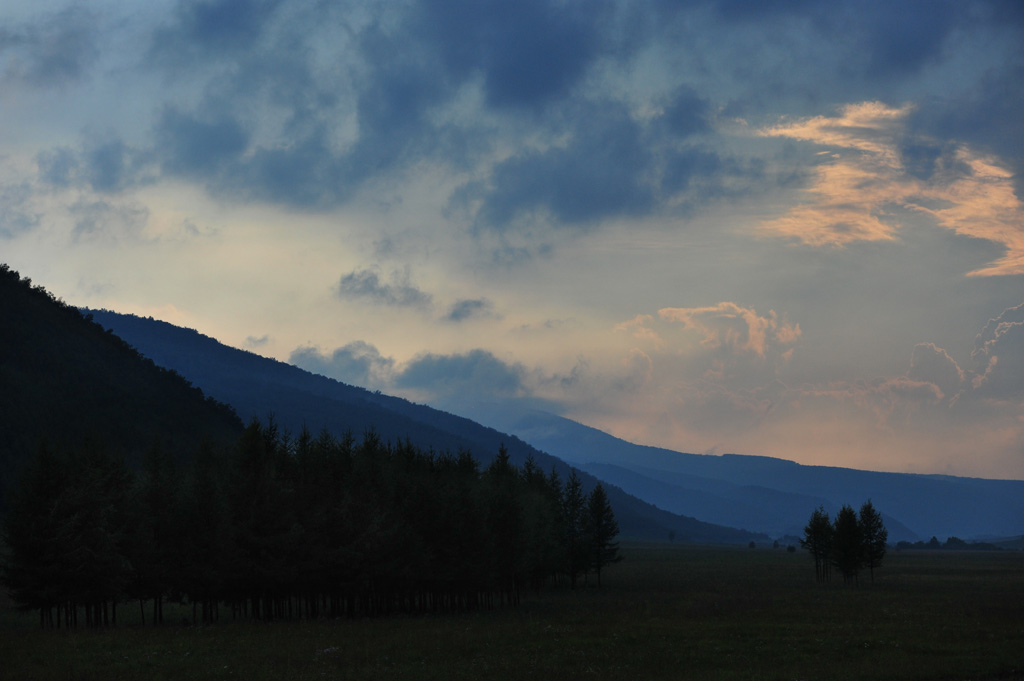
[(156, 549), (505, 523), (574, 524), (31, 568), (818, 536), (602, 529), (206, 524), (873, 537), (847, 545)]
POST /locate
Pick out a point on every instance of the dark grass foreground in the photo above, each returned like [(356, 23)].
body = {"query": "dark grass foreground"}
[(667, 612)]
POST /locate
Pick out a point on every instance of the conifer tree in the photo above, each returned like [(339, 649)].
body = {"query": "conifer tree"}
[(505, 523), (574, 524), (817, 540), (873, 537), (31, 565), (847, 545), (205, 555), (602, 529)]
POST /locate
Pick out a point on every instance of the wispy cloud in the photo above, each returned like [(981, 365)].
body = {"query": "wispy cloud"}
[(867, 177)]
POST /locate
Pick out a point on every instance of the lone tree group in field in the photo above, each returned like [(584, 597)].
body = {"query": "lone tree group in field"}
[(307, 527), (851, 543)]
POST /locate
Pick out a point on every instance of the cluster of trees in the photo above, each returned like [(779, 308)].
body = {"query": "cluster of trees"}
[(306, 527), (951, 544), (851, 543)]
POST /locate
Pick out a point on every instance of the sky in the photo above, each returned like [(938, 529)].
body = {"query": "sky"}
[(792, 229)]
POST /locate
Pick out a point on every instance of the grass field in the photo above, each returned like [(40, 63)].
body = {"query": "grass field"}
[(667, 612)]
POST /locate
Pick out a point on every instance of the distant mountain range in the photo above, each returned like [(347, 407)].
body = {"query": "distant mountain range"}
[(765, 497), (258, 387), (770, 495)]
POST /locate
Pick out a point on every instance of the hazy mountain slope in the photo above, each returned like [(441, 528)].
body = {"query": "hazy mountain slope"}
[(926, 504), (258, 386), (65, 380), (751, 507), (730, 504)]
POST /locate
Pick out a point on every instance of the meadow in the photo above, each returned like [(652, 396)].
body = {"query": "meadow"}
[(666, 612)]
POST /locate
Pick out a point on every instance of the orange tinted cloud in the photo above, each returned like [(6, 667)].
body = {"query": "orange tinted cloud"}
[(727, 325), (984, 206), (855, 189)]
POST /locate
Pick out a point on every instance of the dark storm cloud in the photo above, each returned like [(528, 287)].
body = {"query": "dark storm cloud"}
[(391, 108), (601, 172), (304, 174), (684, 166), (614, 166), (190, 146), (414, 59), (366, 285), (987, 118), (903, 37), (201, 27), (882, 39), (305, 105), (407, 63), (477, 372), (687, 114), (54, 51), (528, 53), (111, 166)]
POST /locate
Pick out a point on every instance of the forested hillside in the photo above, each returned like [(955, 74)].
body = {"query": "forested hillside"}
[(257, 386), (67, 382)]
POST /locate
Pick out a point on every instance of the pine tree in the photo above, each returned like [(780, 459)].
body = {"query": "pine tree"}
[(505, 523), (873, 537), (817, 540), (31, 565), (847, 545), (574, 519), (602, 530), (206, 524)]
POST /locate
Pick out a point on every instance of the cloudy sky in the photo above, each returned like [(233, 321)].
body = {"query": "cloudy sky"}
[(783, 228)]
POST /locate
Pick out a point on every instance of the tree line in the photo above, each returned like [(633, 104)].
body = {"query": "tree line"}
[(951, 544), (852, 542), (284, 528)]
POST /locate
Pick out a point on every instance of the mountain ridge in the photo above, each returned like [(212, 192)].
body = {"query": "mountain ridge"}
[(924, 504), (257, 386)]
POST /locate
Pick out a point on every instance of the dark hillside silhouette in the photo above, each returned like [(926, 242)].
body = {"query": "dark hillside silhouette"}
[(67, 382), (257, 387)]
